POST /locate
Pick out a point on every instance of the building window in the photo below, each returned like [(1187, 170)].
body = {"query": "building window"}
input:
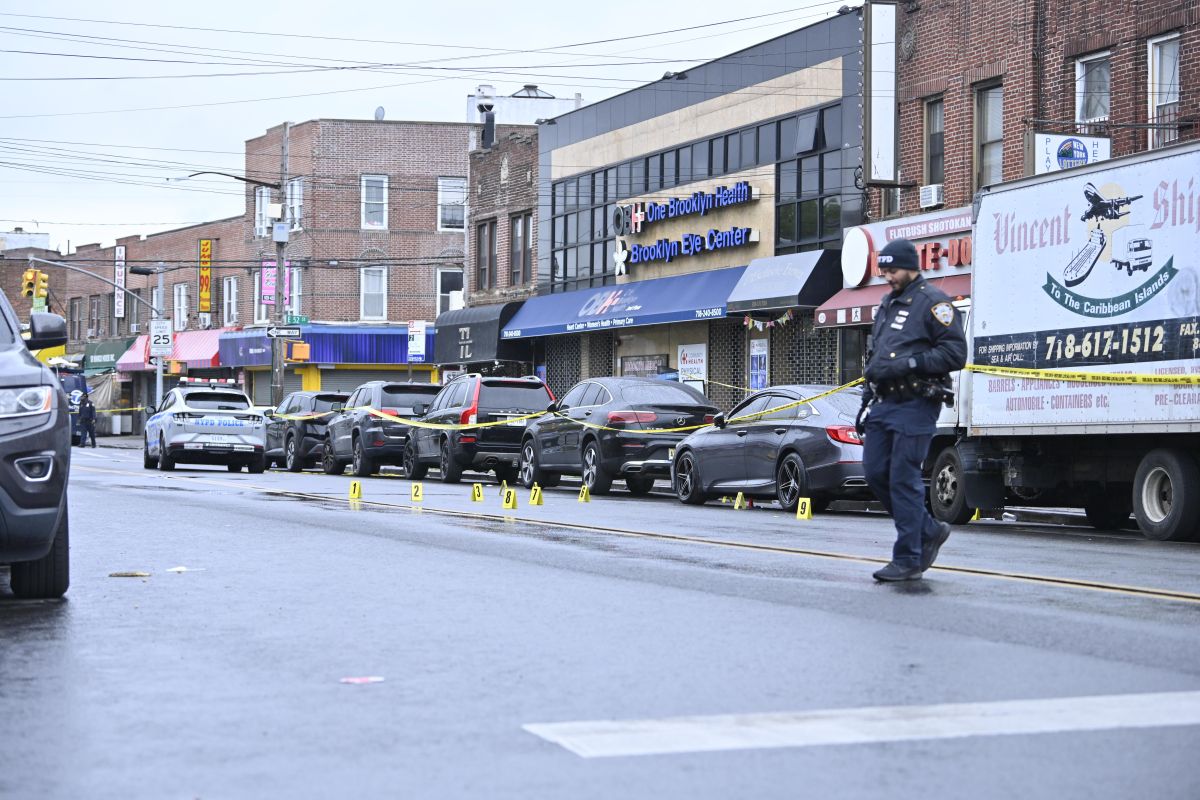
[(449, 281), (1163, 85), (133, 309), (452, 204), (989, 135), (76, 316), (372, 300), (292, 290), (295, 203), (935, 141), (262, 211), (1093, 77), (485, 255), (229, 301), (374, 191), (262, 312), (93, 316), (181, 306), (521, 250)]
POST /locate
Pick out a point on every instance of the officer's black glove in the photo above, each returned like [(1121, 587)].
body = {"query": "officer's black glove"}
[(860, 422)]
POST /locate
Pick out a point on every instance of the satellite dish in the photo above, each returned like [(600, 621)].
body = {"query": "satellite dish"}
[(379, 114)]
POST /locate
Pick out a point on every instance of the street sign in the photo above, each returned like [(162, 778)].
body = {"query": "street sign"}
[(416, 341), (283, 333), (295, 319), (38, 304), (161, 338)]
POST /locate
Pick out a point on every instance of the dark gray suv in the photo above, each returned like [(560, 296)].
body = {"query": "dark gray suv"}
[(35, 440)]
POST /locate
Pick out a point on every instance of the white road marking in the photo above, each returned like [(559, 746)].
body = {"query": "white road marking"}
[(608, 738)]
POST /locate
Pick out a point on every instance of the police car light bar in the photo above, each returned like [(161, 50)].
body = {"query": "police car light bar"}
[(209, 381)]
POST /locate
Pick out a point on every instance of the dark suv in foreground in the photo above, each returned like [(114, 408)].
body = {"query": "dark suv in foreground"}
[(35, 443), (296, 430), (363, 440), (470, 400)]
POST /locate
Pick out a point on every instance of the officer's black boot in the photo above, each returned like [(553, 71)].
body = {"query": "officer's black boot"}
[(930, 547), (896, 572)]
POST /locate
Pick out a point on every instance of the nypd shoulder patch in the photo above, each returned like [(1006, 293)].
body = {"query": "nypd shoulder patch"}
[(943, 313)]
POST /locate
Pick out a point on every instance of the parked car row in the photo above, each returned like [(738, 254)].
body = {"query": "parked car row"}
[(775, 444)]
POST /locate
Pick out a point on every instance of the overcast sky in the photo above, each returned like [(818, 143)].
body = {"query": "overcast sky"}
[(86, 160)]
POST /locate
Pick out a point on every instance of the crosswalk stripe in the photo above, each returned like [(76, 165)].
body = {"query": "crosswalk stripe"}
[(609, 738)]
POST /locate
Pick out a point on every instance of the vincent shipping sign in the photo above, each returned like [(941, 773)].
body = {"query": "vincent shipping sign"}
[(1094, 273)]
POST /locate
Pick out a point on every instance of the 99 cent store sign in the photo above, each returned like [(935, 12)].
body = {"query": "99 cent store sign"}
[(630, 219)]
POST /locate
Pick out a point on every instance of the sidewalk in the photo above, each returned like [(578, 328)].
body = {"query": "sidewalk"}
[(128, 442)]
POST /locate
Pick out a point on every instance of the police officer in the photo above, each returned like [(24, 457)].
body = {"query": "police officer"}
[(917, 340), (87, 421)]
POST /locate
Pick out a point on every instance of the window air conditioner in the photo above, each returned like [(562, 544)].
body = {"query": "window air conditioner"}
[(932, 195), (134, 327), (91, 333)]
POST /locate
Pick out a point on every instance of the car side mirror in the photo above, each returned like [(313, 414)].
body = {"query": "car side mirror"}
[(46, 330), (719, 420), (553, 407), (269, 413), (418, 409)]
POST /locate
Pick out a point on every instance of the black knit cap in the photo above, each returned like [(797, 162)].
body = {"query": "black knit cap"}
[(899, 254)]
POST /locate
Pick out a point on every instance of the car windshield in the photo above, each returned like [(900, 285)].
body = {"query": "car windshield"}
[(661, 393), (404, 398), (217, 401), (7, 334), (532, 396), (325, 402)]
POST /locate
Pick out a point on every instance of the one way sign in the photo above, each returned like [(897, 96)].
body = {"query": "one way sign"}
[(283, 333)]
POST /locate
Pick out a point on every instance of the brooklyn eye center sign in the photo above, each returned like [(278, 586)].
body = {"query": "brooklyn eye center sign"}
[(631, 219)]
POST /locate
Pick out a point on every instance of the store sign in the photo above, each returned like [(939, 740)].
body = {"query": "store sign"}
[(690, 244), (416, 341), (942, 239), (205, 276), (1053, 151), (119, 280), (693, 365), (267, 283), (629, 219)]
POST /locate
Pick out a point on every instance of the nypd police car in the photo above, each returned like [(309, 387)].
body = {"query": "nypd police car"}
[(205, 422)]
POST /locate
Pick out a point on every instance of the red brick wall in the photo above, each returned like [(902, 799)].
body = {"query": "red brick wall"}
[(499, 193)]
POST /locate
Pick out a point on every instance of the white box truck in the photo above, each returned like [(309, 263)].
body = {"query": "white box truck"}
[(1046, 301)]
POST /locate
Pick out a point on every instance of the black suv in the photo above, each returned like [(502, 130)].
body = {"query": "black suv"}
[(363, 440), (35, 439), (468, 400), (298, 443)]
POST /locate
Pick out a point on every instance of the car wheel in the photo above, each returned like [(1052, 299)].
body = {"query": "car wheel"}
[(148, 461), (639, 486), (791, 482), (451, 471), (165, 462), (234, 467), (687, 480), (50, 575), (291, 459), (362, 465), (947, 500), (530, 472), (257, 466), (329, 463), (596, 478), (414, 470)]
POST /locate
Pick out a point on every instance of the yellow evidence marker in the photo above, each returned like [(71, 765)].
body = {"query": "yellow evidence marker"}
[(510, 499), (355, 490), (739, 502), (584, 495), (804, 508), (535, 496), (476, 492), (976, 516), (417, 492), (503, 487)]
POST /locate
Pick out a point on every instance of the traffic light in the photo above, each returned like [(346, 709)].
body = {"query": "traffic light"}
[(42, 287), (29, 282)]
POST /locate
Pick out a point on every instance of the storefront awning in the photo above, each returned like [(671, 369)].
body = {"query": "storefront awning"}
[(100, 357), (680, 298), (799, 279), (330, 344), (467, 335), (197, 349), (857, 306)]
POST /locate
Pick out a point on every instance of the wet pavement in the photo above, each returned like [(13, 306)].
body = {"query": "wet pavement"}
[(226, 679)]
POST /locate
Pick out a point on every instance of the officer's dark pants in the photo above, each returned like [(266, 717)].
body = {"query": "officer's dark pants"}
[(897, 441), (87, 429)]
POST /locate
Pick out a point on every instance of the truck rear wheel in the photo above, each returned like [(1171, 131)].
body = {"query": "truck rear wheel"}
[(1166, 495), (947, 500)]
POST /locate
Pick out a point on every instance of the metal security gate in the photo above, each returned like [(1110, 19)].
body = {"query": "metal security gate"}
[(261, 394)]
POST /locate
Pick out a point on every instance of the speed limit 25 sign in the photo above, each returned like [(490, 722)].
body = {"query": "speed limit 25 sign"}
[(161, 343)]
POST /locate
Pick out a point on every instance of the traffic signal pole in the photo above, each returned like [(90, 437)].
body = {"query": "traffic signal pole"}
[(279, 233)]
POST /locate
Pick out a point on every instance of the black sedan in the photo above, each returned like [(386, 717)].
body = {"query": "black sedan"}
[(771, 447), (608, 428), (296, 430)]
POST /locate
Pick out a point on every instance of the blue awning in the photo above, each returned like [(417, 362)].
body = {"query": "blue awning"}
[(680, 298), (331, 344)]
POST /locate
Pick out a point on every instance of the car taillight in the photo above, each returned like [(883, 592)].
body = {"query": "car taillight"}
[(392, 412), (470, 415), (243, 417), (626, 417), (185, 415), (844, 433), (709, 419)]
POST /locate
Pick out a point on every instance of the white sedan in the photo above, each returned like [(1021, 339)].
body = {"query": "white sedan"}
[(205, 424)]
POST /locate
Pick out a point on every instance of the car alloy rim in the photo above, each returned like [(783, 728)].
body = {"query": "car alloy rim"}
[(684, 476), (445, 459), (789, 485), (527, 464), (291, 452), (358, 456), (327, 453), (589, 467)]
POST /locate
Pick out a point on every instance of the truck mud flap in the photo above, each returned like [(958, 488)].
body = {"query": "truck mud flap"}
[(982, 475)]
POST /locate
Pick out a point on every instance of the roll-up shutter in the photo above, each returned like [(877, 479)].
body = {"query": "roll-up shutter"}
[(261, 394)]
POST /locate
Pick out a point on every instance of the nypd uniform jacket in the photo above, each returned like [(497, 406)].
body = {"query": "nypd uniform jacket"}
[(919, 324)]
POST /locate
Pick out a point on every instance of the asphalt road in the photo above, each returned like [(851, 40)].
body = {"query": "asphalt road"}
[(734, 653)]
